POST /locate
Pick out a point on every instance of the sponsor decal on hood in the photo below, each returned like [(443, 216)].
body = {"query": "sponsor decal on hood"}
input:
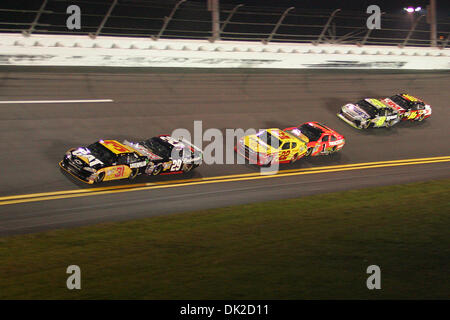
[(258, 145), (355, 111), (85, 155)]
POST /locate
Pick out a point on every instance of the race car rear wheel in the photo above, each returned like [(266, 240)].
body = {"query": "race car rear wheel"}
[(294, 158), (391, 123), (100, 177), (333, 150), (187, 167), (308, 152), (134, 174)]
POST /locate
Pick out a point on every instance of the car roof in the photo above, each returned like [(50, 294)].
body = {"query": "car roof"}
[(322, 127), (377, 103), (116, 147), (282, 135)]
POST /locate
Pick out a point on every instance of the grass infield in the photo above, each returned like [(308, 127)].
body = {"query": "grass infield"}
[(315, 247)]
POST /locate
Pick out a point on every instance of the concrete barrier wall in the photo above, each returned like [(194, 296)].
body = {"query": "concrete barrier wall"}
[(49, 50)]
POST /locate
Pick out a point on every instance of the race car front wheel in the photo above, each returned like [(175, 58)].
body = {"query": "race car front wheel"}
[(421, 117), (100, 177), (268, 162), (364, 125), (157, 170)]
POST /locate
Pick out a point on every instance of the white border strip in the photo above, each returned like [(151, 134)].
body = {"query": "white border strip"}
[(55, 101)]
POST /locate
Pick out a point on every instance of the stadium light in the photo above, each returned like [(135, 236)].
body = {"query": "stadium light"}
[(412, 9)]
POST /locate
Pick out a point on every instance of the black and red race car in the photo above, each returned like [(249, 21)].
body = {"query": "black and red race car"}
[(167, 155), (320, 139), (409, 107)]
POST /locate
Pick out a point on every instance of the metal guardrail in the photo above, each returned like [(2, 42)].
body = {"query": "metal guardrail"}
[(184, 19)]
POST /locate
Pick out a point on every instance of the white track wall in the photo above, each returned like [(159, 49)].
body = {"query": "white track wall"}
[(49, 50)]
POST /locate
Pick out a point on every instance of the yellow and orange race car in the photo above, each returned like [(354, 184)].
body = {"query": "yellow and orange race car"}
[(104, 160), (271, 146)]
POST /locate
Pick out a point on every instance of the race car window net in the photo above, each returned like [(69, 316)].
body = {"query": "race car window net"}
[(286, 146), (127, 158), (269, 139), (102, 153), (367, 107), (311, 132), (159, 147)]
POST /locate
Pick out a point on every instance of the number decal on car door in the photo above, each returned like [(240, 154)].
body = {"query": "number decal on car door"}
[(283, 155), (119, 172), (176, 165), (412, 115), (380, 121)]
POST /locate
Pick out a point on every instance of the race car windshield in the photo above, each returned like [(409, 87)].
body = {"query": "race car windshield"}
[(102, 153), (159, 147), (311, 132), (367, 107), (269, 139)]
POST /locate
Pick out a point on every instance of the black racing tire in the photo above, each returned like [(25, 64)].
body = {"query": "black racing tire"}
[(134, 174), (393, 122), (268, 164), (421, 118), (188, 167), (308, 152), (365, 125), (157, 170), (100, 177)]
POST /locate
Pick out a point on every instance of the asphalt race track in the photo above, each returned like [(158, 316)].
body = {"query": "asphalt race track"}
[(35, 136)]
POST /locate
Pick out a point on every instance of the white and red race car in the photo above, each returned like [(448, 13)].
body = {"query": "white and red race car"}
[(409, 107)]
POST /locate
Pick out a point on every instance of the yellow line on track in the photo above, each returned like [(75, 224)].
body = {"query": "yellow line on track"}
[(65, 194)]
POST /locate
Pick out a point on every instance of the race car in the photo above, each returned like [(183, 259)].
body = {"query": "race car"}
[(409, 107), (167, 155), (320, 139), (104, 160), (271, 146), (369, 113)]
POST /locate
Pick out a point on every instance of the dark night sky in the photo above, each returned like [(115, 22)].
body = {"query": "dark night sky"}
[(389, 6)]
